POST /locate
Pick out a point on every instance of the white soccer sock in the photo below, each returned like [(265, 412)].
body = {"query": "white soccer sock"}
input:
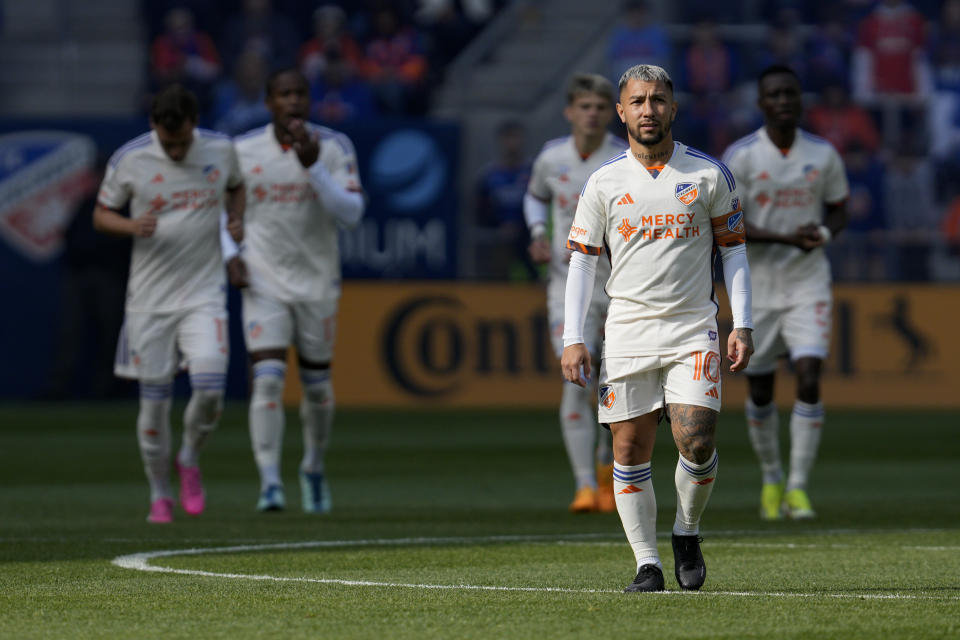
[(153, 436), (578, 427), (806, 425), (694, 484), (267, 419), (763, 425), (316, 414), (637, 506), (201, 415)]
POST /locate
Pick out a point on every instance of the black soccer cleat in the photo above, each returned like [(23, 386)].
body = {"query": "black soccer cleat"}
[(649, 578), (688, 562)]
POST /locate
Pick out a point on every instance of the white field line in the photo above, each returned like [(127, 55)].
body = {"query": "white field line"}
[(141, 562)]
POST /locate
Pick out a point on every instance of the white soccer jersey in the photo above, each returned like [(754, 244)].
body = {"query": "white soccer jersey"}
[(179, 266), (781, 192), (660, 233), (559, 173), (291, 242)]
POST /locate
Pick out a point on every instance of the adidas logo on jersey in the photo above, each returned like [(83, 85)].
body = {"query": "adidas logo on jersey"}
[(712, 393), (626, 199), (157, 178)]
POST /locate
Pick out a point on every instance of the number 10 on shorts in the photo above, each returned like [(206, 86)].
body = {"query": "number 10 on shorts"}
[(706, 364)]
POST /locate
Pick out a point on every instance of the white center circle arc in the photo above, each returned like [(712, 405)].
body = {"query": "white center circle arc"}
[(142, 562)]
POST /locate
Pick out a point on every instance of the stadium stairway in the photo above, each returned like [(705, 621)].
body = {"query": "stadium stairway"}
[(63, 58)]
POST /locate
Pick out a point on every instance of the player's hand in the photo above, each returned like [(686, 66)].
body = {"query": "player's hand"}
[(739, 348), (306, 145), (575, 364), (539, 250), (235, 228), (145, 225), (807, 237), (237, 272)]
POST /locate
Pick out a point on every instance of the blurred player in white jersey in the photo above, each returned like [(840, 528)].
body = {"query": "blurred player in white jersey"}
[(176, 179), (302, 185), (658, 210), (559, 173), (794, 189)]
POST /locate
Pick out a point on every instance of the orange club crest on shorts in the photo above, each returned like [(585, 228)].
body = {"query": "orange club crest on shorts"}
[(607, 396)]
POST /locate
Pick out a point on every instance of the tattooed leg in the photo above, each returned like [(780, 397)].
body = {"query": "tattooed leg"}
[(693, 431)]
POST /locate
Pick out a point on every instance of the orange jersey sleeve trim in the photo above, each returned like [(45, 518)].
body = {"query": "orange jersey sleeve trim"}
[(584, 248), (728, 229)]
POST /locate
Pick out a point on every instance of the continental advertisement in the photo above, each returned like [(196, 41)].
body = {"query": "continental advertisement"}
[(463, 345)]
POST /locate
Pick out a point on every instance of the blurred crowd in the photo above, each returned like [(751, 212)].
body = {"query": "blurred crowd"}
[(882, 84), (363, 58)]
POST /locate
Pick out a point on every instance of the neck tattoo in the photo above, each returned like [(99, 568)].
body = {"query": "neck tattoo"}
[(652, 156)]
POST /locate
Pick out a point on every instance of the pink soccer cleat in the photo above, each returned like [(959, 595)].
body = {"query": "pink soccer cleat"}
[(161, 511), (192, 498)]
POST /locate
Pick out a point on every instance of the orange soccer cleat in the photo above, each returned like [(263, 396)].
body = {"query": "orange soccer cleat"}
[(606, 500), (584, 500)]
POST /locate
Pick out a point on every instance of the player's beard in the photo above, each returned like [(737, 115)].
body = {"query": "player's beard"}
[(652, 139)]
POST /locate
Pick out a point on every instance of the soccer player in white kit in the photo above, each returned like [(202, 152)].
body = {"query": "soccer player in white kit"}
[(559, 173), (302, 185), (176, 180), (658, 211), (794, 189)]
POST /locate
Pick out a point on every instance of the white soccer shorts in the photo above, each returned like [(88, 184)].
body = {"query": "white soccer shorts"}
[(271, 324), (800, 331), (153, 346), (635, 386), (592, 327)]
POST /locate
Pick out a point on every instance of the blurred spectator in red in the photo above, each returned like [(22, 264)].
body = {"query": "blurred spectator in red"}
[(637, 40), (890, 55), (500, 191), (238, 104), (828, 51), (843, 122), (395, 65), (709, 65), (258, 28), (338, 94), (185, 55), (329, 30)]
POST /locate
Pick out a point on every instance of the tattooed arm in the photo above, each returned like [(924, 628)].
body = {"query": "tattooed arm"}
[(739, 348)]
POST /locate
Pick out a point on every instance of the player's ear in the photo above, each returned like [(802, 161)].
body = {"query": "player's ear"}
[(623, 119)]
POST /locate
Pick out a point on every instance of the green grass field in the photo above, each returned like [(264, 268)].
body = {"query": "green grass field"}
[(454, 525)]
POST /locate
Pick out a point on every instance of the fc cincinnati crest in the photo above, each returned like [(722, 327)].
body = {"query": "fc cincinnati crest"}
[(687, 192), (607, 396), (735, 222)]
